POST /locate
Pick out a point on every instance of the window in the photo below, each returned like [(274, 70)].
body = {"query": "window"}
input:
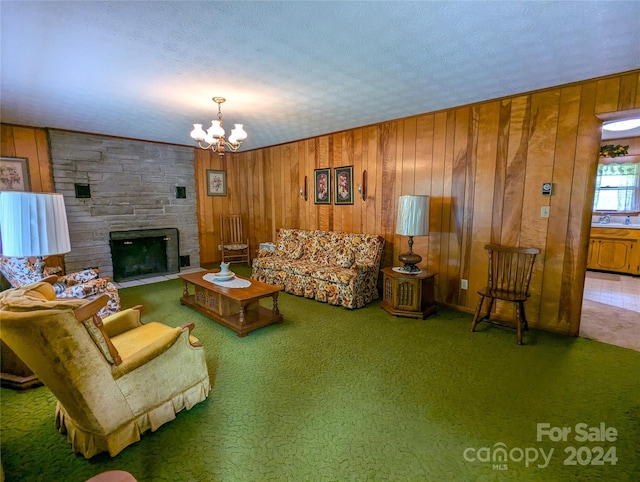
[(617, 188)]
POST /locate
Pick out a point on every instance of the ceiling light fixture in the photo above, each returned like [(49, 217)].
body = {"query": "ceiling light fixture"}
[(621, 125), (214, 136)]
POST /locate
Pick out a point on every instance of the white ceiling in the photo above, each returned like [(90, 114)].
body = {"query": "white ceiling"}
[(292, 70)]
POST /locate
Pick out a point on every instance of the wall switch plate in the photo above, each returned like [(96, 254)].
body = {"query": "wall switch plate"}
[(219, 247), (464, 284), (544, 212)]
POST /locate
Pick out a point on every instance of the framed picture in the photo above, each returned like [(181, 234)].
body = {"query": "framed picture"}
[(322, 185), (14, 174), (216, 183), (344, 184)]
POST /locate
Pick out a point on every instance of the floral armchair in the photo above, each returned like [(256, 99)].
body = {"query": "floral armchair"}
[(85, 284)]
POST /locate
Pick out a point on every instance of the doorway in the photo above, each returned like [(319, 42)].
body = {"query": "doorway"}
[(611, 298), (611, 309)]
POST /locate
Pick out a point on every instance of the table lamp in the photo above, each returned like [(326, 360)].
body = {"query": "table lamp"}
[(33, 224), (413, 220)]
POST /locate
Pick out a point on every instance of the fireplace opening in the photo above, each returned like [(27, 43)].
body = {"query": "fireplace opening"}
[(144, 253)]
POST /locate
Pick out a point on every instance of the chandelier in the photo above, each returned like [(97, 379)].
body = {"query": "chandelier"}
[(214, 136)]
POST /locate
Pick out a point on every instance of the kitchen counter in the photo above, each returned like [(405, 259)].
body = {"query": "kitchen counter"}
[(616, 225)]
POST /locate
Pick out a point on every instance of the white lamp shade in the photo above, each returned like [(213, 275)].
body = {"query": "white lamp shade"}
[(240, 133), (33, 224), (216, 131), (198, 134), (413, 216)]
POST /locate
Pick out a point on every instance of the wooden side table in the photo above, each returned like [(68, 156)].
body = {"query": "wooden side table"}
[(410, 295)]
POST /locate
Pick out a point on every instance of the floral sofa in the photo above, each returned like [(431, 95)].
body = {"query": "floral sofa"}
[(85, 284), (331, 266)]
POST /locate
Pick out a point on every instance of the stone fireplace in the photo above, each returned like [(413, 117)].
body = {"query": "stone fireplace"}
[(129, 186), (143, 253)]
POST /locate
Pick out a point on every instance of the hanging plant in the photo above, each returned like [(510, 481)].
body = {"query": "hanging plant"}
[(610, 150)]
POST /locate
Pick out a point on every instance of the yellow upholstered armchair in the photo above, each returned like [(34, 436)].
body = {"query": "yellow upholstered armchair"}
[(114, 379)]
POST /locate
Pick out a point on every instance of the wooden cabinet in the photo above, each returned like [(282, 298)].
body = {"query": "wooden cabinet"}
[(613, 254), (614, 249), (408, 295)]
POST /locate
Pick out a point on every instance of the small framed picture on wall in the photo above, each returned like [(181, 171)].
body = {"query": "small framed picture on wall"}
[(216, 183), (343, 177), (322, 185), (14, 174)]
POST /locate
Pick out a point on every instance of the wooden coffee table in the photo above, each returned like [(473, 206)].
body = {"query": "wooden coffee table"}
[(236, 308)]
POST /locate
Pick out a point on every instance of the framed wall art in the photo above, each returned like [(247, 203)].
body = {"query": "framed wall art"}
[(216, 183), (14, 174), (344, 184), (322, 186)]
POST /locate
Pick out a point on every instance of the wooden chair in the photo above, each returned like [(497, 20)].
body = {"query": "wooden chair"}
[(509, 277), (235, 247)]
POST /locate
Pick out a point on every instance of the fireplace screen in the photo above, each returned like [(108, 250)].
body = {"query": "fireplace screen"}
[(144, 253)]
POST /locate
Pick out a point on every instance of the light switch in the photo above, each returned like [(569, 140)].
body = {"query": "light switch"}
[(544, 212)]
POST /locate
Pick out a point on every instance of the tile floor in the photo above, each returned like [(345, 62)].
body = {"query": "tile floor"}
[(613, 289), (611, 309)]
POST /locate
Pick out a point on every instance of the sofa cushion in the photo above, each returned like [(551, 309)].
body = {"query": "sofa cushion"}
[(267, 262), (101, 339), (320, 250), (290, 252), (361, 245), (289, 246), (344, 257), (86, 289), (304, 268), (342, 276), (18, 271), (80, 277)]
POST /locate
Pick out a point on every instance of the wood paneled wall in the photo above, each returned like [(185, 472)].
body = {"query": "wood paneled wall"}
[(30, 143), (483, 166)]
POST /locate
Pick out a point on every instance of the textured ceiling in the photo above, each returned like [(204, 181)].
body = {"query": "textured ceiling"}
[(291, 70)]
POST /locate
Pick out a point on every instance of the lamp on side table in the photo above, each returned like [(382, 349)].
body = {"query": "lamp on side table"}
[(408, 290), (413, 220)]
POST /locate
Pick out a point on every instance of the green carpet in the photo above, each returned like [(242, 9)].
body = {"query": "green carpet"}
[(333, 394)]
